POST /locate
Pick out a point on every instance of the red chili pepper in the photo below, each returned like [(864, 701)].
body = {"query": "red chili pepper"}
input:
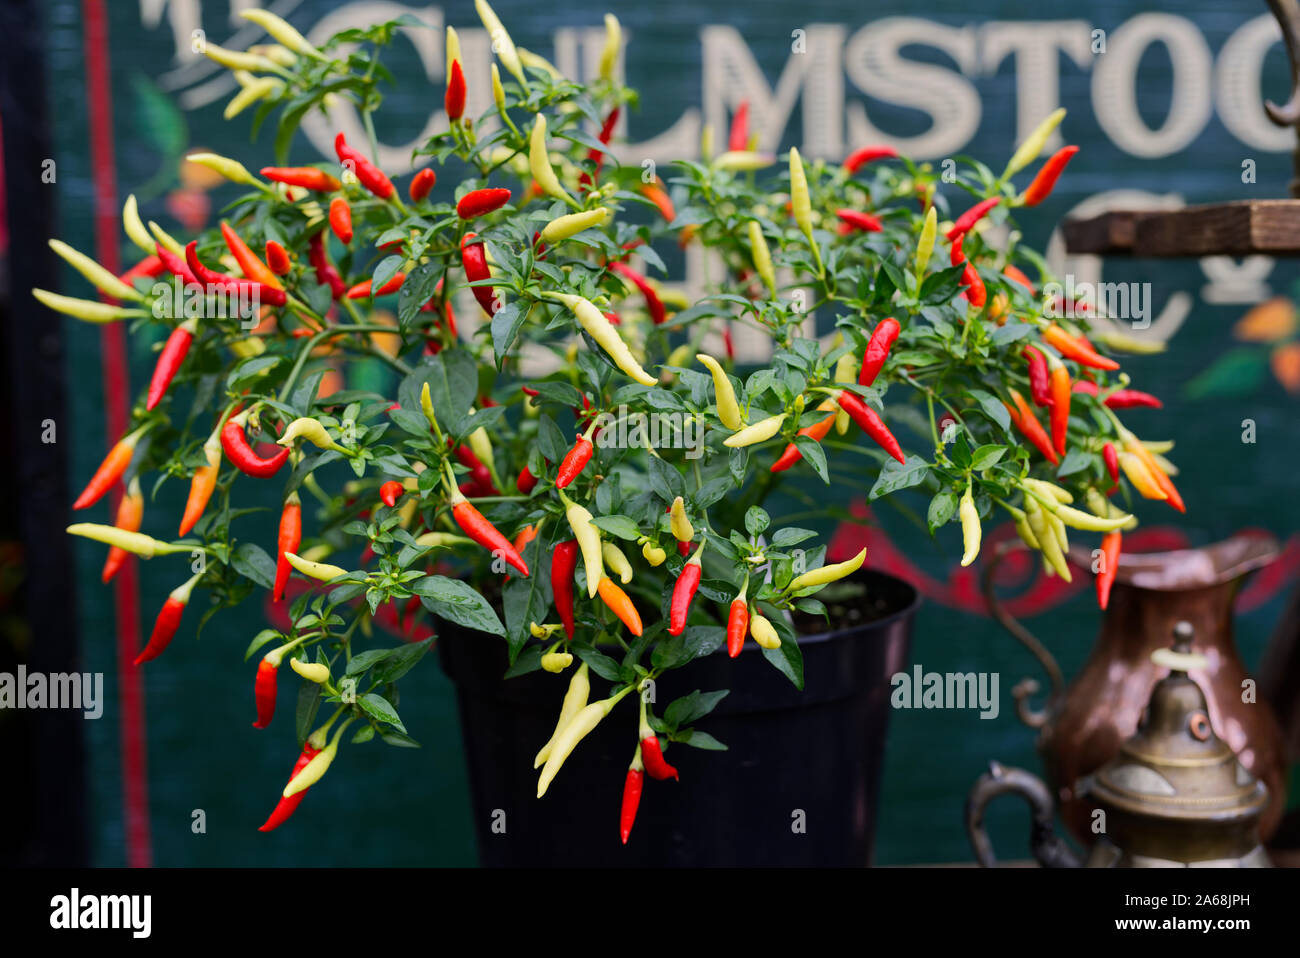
[(1047, 177), (287, 806), (1039, 390), (654, 305), (526, 481), (264, 693), (362, 290), (1060, 411), (1077, 348), (564, 560), (369, 175), (288, 539), (341, 219), (479, 473), (877, 351), (268, 295), (176, 266), (473, 524), (307, 177), (688, 580), (855, 220), (422, 183), (972, 216), (252, 267), (454, 99), (662, 201), (1129, 398), (575, 461), (1110, 549), (1030, 427), (277, 258), (631, 800), (130, 513), (737, 626), (481, 202), (168, 621), (241, 454), (791, 455), (864, 155), (653, 758), (473, 256), (870, 423), (169, 361), (1013, 273), (738, 139), (1110, 456), (326, 273), (390, 492), (598, 156), (150, 267), (109, 471)]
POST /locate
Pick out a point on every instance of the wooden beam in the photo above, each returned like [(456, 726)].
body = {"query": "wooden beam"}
[(1220, 229)]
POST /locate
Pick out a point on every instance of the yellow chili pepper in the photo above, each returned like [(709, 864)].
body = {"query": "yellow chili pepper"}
[(575, 700), (562, 227), (280, 31), (538, 62), (99, 277), (1022, 528), (232, 170), (800, 202), (498, 91), (453, 51), (1121, 342), (314, 570), (653, 554), (1141, 477), (86, 309), (613, 43), (314, 770), (760, 431), (258, 88), (502, 45), (617, 561), (1077, 519), (681, 526), (235, 60), (1033, 144), (588, 537), (539, 162), (168, 241), (134, 226), (426, 406), (724, 392), (137, 543), (827, 573), (971, 532), (481, 446), (1046, 538), (762, 256), (573, 733), (317, 672), (1049, 492), (925, 245), (311, 430), (846, 371), (557, 662), (764, 632), (606, 336), (743, 160)]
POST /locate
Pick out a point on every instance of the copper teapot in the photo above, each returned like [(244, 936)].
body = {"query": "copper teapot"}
[(1176, 795)]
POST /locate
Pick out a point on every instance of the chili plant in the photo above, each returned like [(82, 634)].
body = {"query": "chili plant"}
[(507, 483)]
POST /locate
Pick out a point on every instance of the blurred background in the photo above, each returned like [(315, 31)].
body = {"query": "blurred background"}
[(100, 99)]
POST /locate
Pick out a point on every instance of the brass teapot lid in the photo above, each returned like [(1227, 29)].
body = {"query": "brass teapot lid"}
[(1175, 767)]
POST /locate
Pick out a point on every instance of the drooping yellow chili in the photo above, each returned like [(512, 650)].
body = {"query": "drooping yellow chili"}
[(502, 45), (971, 532), (681, 526), (317, 672), (539, 162), (311, 430), (617, 561), (925, 245), (232, 170), (725, 393), (762, 256), (280, 31), (99, 277), (1033, 144), (764, 632), (760, 431), (800, 201), (575, 700), (573, 733), (613, 43), (562, 227), (827, 573), (137, 543), (315, 570), (606, 336), (314, 770), (588, 537), (85, 309)]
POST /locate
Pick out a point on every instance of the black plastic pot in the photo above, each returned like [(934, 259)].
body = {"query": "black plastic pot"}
[(797, 787)]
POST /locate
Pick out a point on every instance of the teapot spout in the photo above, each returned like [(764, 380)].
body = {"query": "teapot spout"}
[(1048, 848)]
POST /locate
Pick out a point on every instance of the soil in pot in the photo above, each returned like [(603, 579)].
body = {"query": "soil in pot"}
[(797, 786)]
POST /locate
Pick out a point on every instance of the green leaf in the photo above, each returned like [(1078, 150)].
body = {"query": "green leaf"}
[(757, 520), (1010, 333), (814, 455), (259, 640), (986, 456), (790, 536), (696, 640), (788, 659), (617, 525), (691, 708), (599, 662), (1076, 460), (364, 660), (1238, 372), (458, 602), (401, 660), (251, 561), (386, 270), (992, 407), (418, 289), (505, 327), (899, 475), (380, 708), (942, 507), (697, 739), (309, 697), (525, 599)]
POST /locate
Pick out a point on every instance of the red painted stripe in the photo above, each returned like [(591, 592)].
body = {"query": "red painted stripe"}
[(99, 105)]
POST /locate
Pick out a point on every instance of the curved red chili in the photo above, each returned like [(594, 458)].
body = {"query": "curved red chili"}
[(864, 155), (1059, 415), (362, 289), (169, 619), (737, 626), (854, 220), (341, 219), (307, 177), (169, 361), (288, 539), (277, 258), (654, 305), (1046, 179), (176, 265), (873, 359), (564, 560), (683, 592), (268, 295), (653, 758), (241, 454), (481, 202), (368, 175), (871, 424), (264, 693), (473, 524), (1039, 389), (326, 272), (738, 138), (473, 256), (454, 99), (574, 462), (390, 492), (972, 216), (1129, 398), (287, 806), (526, 481), (1110, 456), (1110, 549), (422, 183), (631, 801)]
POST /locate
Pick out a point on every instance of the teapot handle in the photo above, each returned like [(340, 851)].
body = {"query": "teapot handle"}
[(1034, 718), (1048, 848)]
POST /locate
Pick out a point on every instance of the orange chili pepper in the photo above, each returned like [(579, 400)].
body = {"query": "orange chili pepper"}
[(1030, 427), (248, 261), (620, 604)]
